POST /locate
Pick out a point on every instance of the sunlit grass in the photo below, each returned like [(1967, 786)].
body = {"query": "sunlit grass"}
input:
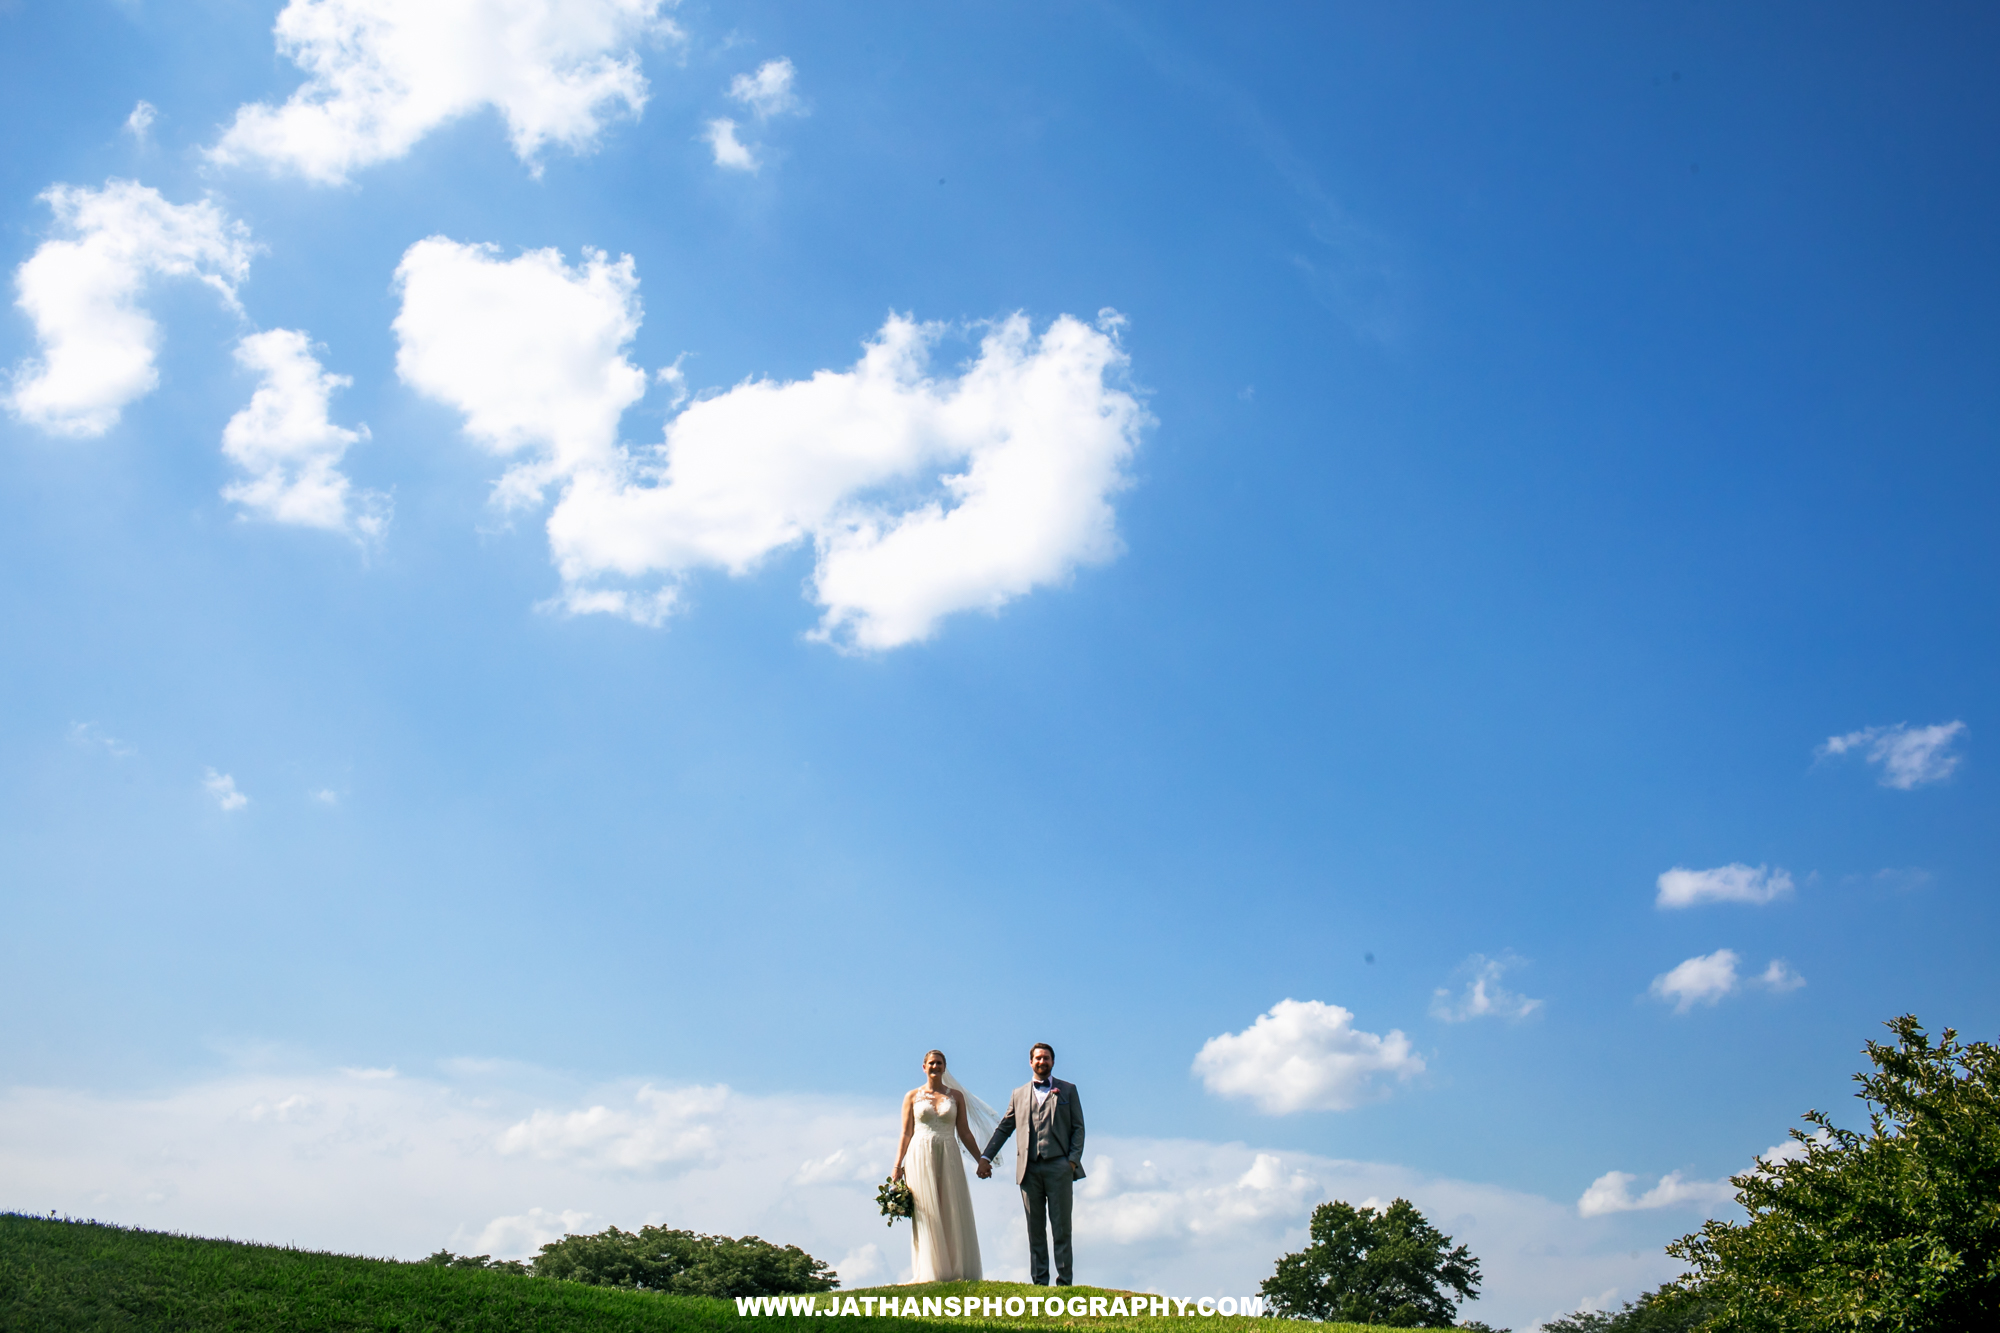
[(64, 1275)]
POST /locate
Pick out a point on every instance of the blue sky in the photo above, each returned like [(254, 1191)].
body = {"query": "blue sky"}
[(1448, 468)]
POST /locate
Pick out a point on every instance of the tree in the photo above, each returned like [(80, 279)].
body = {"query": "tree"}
[(446, 1259), (1897, 1228), (1368, 1267), (684, 1263)]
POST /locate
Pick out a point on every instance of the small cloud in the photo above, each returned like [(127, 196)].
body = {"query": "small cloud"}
[(1909, 756), (1779, 978), (676, 377), (1791, 1150), (1612, 1193), (82, 291), (223, 788), (523, 1236), (287, 447), (1483, 996), (768, 92), (857, 1268), (93, 737), (1702, 980), (289, 1110), (370, 1074), (326, 796), (729, 151), (1903, 879), (1733, 883), (1710, 978), (1304, 1056), (140, 122)]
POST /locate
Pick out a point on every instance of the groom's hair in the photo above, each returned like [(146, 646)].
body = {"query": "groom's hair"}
[(1043, 1046)]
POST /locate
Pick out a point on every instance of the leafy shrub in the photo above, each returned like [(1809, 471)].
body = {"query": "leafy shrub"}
[(1897, 1228), (684, 1263)]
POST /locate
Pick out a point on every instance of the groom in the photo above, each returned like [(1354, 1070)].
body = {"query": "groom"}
[(1048, 1159)]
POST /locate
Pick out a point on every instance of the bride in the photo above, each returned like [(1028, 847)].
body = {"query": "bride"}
[(944, 1242)]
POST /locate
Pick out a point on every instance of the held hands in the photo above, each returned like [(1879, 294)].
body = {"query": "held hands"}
[(985, 1169)]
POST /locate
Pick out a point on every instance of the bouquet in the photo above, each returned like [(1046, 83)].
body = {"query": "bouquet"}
[(895, 1200)]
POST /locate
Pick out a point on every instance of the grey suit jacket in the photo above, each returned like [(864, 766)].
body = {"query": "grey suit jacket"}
[(1068, 1128)]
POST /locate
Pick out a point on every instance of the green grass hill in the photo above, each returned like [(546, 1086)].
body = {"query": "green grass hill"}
[(78, 1276)]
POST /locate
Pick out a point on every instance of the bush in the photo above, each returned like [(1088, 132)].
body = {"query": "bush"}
[(1898, 1228), (684, 1263), (446, 1259), (1368, 1267)]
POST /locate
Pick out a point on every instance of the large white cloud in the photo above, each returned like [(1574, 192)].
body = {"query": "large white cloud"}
[(1733, 883), (528, 349), (921, 496), (290, 449), (381, 74), (496, 1160), (1909, 756), (1305, 1056), (82, 290)]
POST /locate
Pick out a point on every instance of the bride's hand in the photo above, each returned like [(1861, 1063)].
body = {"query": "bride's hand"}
[(898, 1174)]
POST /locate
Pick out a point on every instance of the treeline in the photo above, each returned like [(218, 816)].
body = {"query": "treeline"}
[(1894, 1229), (683, 1263)]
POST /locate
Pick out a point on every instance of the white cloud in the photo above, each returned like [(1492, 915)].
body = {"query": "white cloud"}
[(140, 122), (1701, 980), (403, 1166), (525, 1234), (223, 788), (1909, 756), (1791, 1150), (1733, 883), (921, 496), (1709, 978), (82, 293), (862, 1267), (1779, 978), (1484, 996), (1304, 1056), (528, 349), (290, 448), (382, 74), (730, 151), (1611, 1193), (665, 1128), (768, 92), (91, 736)]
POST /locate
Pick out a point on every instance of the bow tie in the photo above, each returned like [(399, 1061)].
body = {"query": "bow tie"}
[(1044, 1087)]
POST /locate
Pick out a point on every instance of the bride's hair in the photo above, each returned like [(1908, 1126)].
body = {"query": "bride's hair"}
[(939, 1054)]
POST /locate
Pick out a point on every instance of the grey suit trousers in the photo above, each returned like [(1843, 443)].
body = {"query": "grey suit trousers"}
[(1047, 1188)]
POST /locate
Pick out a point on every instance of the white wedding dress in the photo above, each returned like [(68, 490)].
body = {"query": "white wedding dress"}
[(944, 1242)]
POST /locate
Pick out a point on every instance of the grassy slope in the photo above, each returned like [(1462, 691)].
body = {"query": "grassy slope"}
[(87, 1276)]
